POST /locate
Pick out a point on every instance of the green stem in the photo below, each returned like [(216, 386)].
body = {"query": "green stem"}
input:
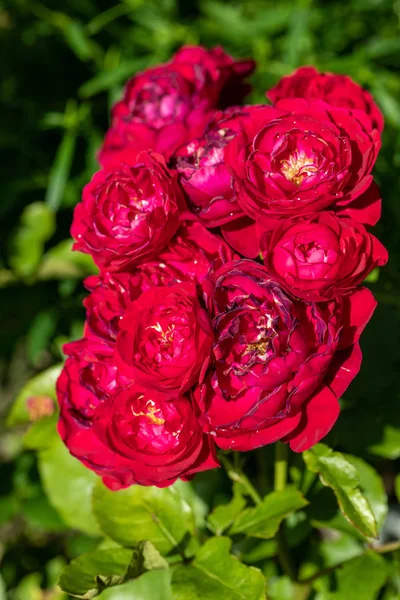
[(281, 462), (280, 480), (237, 475)]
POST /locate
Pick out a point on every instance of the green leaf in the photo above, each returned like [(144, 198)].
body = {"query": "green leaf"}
[(361, 578), (37, 225), (128, 516), (281, 588), (88, 575), (68, 485), (42, 433), (263, 520), (200, 509), (3, 595), (223, 515), (61, 262), (60, 170), (336, 472), (40, 333), (154, 585), (43, 384), (217, 575), (372, 487), (40, 514), (397, 487), (8, 508)]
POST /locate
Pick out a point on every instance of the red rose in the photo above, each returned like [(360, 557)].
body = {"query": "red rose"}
[(320, 256), (134, 436), (164, 338), (203, 174), (89, 376), (279, 364), (167, 106), (191, 255), (162, 109), (336, 90), (296, 158), (227, 73), (127, 215), (155, 439)]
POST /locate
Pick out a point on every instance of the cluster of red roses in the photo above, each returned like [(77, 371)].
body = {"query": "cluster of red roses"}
[(231, 243)]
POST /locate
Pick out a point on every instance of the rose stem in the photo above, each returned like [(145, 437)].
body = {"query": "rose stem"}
[(280, 478), (236, 474), (281, 461)]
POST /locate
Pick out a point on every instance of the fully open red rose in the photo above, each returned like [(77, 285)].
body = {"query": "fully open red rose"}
[(336, 90), (134, 436), (296, 158), (191, 255), (127, 215), (165, 337), (320, 256), (203, 173), (168, 106), (279, 365)]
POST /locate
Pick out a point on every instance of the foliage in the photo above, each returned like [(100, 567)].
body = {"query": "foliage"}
[(66, 64)]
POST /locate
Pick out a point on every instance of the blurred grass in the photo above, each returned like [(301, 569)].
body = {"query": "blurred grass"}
[(64, 64)]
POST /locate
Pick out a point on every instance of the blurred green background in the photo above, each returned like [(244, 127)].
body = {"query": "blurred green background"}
[(63, 65)]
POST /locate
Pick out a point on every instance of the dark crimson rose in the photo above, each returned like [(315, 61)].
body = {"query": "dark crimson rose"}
[(89, 376), (336, 90), (297, 158), (320, 256), (243, 235), (134, 436), (127, 215), (167, 106), (279, 365), (165, 337), (203, 174), (227, 73), (191, 255)]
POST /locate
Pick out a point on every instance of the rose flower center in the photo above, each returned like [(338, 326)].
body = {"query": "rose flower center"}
[(150, 411), (297, 167)]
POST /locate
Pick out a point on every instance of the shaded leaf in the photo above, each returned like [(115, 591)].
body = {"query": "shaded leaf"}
[(361, 578)]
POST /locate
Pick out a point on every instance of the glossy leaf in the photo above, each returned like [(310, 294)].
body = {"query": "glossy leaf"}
[(341, 476), (128, 516), (89, 574), (217, 575), (263, 520), (154, 585), (223, 515)]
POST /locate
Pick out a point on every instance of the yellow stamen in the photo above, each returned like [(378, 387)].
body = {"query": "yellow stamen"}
[(297, 167)]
